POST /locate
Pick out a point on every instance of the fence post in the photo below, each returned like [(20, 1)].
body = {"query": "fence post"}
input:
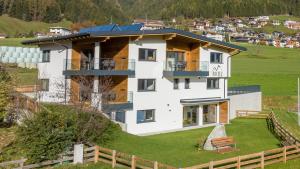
[(133, 162), (96, 158), (155, 165), (114, 159), (78, 153), (238, 162), (284, 154), (211, 165), (262, 161)]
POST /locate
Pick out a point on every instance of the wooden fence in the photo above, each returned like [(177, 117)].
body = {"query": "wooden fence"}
[(278, 130), (94, 154), (27, 88), (24, 102), (255, 160)]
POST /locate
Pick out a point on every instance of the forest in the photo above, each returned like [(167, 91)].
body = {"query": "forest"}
[(123, 11)]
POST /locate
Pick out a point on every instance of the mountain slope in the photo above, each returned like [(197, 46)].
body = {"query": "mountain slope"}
[(13, 26), (122, 11)]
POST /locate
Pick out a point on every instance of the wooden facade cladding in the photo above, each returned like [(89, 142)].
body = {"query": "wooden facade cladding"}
[(120, 88), (117, 50), (77, 55), (223, 115), (191, 50)]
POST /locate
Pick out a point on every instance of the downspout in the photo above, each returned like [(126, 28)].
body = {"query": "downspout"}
[(66, 65)]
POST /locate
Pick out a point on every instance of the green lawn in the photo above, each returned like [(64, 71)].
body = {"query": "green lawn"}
[(179, 148), (27, 76), (293, 164), (275, 69), (14, 42)]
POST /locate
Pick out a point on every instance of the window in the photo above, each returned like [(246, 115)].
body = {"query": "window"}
[(147, 54), (120, 116), (215, 57), (46, 56), (45, 84), (213, 83), (144, 116), (187, 83), (146, 84), (176, 83)]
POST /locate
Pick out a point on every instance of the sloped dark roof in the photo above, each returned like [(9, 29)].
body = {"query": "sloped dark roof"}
[(134, 32), (105, 28)]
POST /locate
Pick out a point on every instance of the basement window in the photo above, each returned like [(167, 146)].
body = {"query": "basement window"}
[(44, 84), (144, 116)]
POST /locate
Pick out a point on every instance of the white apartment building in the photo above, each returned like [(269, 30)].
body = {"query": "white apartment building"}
[(162, 80)]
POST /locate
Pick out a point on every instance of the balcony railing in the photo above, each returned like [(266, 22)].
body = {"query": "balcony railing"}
[(243, 89), (117, 97), (99, 64), (186, 66)]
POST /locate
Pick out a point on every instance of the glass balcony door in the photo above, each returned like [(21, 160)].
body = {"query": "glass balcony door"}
[(209, 114), (87, 59), (190, 115), (175, 61)]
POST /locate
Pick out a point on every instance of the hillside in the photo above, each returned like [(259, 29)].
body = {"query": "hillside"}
[(12, 26), (121, 11)]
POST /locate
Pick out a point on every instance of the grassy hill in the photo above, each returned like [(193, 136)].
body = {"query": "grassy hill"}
[(11, 26), (275, 69)]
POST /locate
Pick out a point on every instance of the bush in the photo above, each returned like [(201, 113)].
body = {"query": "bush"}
[(57, 128), (46, 135)]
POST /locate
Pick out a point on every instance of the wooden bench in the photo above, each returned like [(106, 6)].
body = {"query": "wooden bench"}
[(224, 144)]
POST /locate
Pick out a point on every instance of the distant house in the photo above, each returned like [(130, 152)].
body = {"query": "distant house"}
[(59, 31), (40, 35), (215, 36), (150, 24), (289, 44), (276, 23), (3, 36), (292, 25), (263, 18)]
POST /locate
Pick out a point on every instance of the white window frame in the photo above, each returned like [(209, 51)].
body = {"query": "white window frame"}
[(146, 83), (213, 83), (214, 58), (145, 120), (46, 56)]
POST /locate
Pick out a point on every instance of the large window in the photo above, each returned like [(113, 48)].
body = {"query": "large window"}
[(176, 84), (144, 116), (186, 83), (146, 84), (213, 83), (44, 84), (46, 56), (147, 54), (216, 57)]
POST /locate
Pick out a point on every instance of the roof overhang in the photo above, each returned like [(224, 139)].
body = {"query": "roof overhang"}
[(202, 100), (168, 34)]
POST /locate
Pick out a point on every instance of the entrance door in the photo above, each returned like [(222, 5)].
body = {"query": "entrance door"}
[(190, 116), (209, 114)]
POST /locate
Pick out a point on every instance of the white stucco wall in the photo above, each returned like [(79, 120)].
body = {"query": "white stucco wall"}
[(165, 100), (53, 71), (248, 101)]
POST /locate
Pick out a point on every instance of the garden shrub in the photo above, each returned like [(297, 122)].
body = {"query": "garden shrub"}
[(56, 128)]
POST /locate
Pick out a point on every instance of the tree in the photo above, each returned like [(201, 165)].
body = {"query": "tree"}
[(5, 91)]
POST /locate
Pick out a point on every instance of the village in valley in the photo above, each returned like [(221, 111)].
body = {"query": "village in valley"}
[(167, 90)]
